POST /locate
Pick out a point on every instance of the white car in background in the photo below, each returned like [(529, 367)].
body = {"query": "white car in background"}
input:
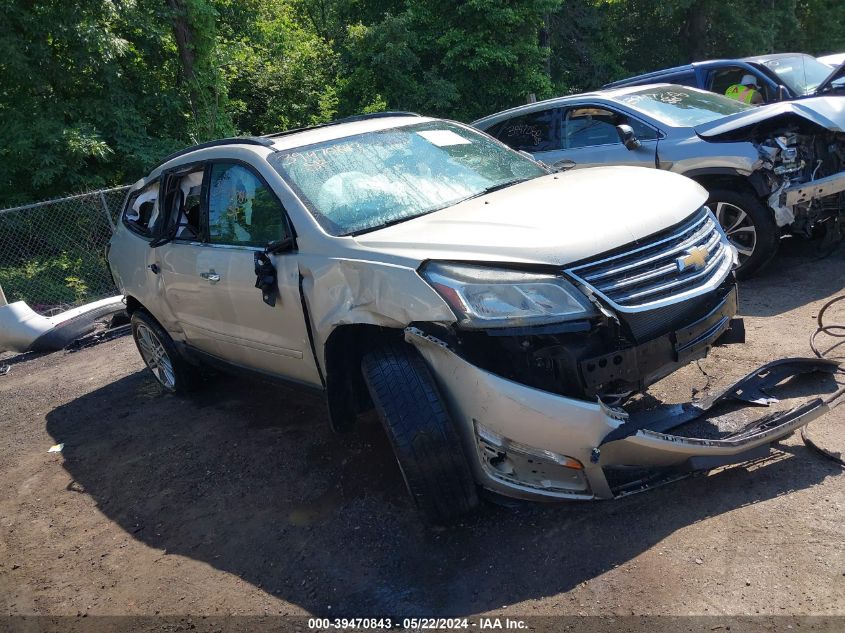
[(834, 60)]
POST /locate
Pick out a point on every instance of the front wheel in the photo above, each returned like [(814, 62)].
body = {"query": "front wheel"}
[(421, 432), (160, 354), (749, 226)]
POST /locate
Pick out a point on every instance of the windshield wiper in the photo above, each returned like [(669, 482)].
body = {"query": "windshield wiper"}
[(483, 192), (492, 188)]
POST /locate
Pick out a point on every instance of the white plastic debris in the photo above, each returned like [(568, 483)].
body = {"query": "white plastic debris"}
[(56, 448)]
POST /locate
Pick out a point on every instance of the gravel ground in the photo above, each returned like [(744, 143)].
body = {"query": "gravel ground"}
[(240, 500)]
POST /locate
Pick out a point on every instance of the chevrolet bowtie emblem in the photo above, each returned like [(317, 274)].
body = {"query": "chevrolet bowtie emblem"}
[(695, 258)]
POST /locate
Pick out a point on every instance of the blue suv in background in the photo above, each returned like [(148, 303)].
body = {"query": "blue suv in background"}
[(780, 76)]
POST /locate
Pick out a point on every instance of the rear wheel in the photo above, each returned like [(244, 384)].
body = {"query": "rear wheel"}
[(749, 226), (422, 433), (160, 354)]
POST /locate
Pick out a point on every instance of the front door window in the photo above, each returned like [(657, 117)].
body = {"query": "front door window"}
[(241, 209), (589, 126)]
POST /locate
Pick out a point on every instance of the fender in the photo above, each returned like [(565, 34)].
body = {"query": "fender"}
[(755, 179)]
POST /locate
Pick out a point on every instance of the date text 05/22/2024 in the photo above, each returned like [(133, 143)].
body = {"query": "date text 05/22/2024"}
[(417, 624)]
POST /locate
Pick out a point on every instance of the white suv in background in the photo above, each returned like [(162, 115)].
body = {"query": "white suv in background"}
[(497, 316)]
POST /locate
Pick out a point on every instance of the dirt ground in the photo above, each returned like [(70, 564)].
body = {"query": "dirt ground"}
[(240, 500)]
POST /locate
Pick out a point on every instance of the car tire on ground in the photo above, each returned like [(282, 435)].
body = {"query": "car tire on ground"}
[(161, 355), (749, 225), (422, 433)]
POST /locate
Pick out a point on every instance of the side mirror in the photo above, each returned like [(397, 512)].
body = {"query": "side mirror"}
[(627, 136), (783, 94)]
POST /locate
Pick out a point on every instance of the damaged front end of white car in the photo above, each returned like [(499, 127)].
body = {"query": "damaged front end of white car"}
[(533, 444), (544, 371)]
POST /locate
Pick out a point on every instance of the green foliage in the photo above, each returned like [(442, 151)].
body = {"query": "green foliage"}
[(281, 75), (646, 35), (47, 282), (457, 60), (93, 92)]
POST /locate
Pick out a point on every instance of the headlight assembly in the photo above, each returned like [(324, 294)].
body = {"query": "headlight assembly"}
[(492, 297)]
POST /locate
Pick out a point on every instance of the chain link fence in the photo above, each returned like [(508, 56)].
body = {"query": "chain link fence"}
[(52, 253)]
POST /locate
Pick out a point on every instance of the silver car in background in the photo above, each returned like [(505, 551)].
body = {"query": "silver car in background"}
[(769, 170)]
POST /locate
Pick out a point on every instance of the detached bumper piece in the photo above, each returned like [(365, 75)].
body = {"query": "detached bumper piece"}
[(699, 443)]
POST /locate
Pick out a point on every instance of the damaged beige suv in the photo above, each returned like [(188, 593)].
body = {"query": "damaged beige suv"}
[(498, 317)]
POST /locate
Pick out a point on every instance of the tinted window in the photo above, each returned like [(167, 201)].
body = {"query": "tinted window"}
[(241, 209), (587, 126), (535, 132), (686, 78), (142, 212)]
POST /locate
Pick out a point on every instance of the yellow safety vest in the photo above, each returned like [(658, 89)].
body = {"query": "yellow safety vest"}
[(741, 93)]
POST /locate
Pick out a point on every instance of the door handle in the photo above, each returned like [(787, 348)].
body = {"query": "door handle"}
[(211, 276)]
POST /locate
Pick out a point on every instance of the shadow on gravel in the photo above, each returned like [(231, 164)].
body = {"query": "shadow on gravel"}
[(248, 479), (774, 291)]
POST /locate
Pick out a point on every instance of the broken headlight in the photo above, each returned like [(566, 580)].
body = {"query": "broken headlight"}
[(492, 297)]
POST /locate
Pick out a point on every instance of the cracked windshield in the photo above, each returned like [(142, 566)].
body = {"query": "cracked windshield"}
[(367, 181)]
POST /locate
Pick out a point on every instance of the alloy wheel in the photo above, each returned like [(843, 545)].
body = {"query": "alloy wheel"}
[(738, 227), (155, 356)]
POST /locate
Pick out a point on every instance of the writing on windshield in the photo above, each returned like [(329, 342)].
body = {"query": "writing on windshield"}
[(366, 181), (682, 107)]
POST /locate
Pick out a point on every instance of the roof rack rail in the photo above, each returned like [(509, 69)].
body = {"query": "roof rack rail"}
[(349, 119), (237, 140)]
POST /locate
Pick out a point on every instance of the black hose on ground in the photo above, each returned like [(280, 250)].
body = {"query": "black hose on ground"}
[(835, 331)]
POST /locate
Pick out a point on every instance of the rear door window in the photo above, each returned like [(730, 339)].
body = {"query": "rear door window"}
[(142, 214), (534, 132), (686, 78)]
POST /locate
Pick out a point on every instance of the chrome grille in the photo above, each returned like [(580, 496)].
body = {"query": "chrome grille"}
[(651, 275)]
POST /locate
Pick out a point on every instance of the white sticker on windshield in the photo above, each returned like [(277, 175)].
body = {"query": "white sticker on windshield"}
[(444, 138)]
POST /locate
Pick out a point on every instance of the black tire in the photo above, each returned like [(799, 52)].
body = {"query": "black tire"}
[(756, 249), (182, 376), (422, 433)]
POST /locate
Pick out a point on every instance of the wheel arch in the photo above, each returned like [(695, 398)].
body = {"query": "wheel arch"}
[(133, 305), (725, 177), (346, 393)]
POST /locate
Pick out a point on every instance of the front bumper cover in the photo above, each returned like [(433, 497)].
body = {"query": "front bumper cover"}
[(532, 444)]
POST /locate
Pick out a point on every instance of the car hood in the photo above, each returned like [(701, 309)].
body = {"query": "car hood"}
[(828, 112), (555, 219)]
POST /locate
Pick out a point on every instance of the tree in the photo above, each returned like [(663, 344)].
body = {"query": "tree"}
[(459, 60), (95, 92), (92, 95), (279, 73)]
